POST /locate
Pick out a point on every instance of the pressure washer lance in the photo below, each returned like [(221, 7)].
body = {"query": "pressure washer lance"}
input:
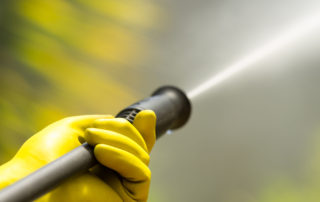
[(172, 109)]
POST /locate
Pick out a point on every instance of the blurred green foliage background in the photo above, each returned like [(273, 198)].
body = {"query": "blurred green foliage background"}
[(62, 58), (306, 188)]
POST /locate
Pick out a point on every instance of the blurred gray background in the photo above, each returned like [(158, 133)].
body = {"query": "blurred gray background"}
[(252, 132)]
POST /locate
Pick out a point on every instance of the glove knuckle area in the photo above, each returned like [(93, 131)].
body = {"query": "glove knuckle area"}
[(96, 136), (82, 121), (119, 122), (121, 126), (126, 164)]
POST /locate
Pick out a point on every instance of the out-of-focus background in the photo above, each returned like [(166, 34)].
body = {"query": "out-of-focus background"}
[(255, 137)]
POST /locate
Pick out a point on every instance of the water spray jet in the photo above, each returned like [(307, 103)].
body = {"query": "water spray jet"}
[(289, 36)]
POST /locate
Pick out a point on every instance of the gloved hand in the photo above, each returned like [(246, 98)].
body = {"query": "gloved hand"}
[(119, 145)]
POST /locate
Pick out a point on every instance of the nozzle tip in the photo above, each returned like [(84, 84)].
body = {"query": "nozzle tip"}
[(180, 101)]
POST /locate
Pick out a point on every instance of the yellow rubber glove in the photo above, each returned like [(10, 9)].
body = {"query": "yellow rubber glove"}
[(119, 145)]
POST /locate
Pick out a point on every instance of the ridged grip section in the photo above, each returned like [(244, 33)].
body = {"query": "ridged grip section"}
[(128, 114)]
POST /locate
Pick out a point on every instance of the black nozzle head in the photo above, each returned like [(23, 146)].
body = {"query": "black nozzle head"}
[(180, 101), (170, 104)]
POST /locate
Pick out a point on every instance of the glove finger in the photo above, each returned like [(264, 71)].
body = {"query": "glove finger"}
[(126, 164), (145, 123), (122, 126), (135, 173), (96, 136)]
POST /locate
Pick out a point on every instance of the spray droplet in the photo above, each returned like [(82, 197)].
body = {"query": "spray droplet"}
[(169, 132)]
